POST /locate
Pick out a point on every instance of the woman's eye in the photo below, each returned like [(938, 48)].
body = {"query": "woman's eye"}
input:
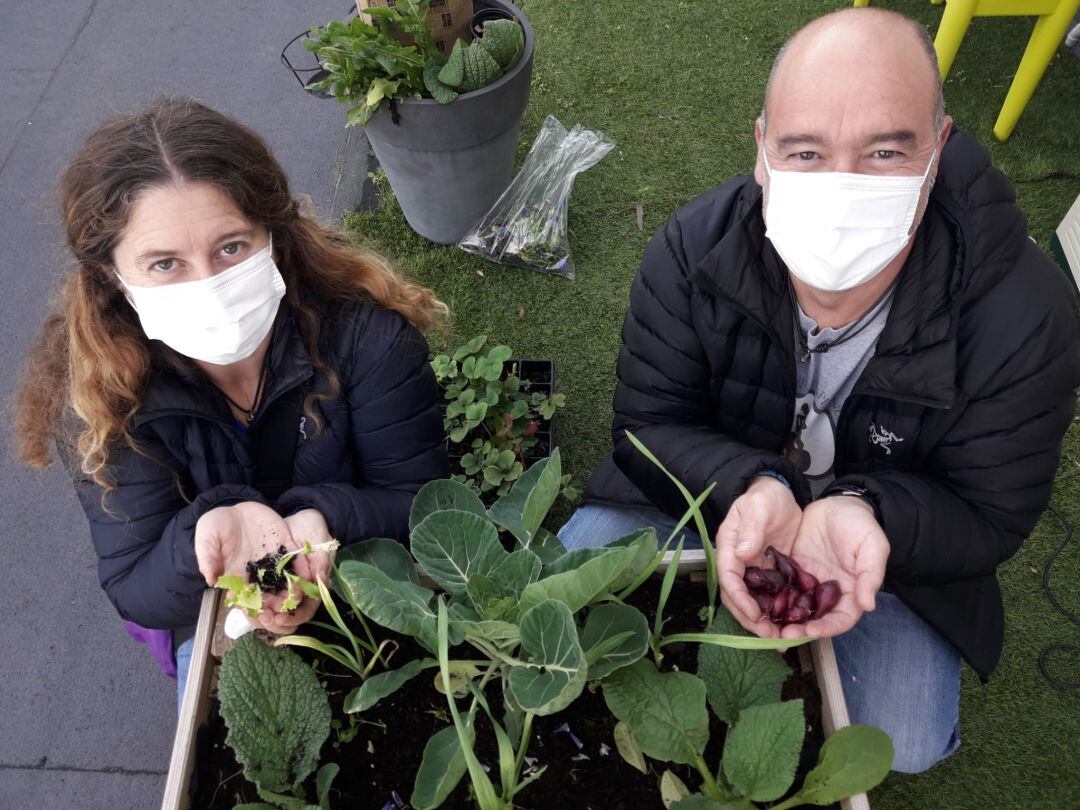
[(231, 249), (884, 154), (807, 155), (160, 265)]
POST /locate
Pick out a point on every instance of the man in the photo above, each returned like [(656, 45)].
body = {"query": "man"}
[(866, 353)]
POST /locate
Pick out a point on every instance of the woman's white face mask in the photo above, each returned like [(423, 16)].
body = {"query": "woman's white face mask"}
[(837, 230), (219, 320)]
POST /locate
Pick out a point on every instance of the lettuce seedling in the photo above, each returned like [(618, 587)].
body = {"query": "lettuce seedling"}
[(266, 575)]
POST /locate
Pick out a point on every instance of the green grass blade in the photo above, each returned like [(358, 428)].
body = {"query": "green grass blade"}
[(699, 520), (738, 642)]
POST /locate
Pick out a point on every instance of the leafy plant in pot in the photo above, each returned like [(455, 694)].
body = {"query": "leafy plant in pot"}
[(445, 129)]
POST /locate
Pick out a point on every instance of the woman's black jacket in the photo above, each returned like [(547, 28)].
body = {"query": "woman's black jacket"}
[(382, 439)]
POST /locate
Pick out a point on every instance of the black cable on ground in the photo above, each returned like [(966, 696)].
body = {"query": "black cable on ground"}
[(1068, 648)]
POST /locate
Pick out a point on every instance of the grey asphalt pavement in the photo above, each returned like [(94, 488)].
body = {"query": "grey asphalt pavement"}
[(86, 718)]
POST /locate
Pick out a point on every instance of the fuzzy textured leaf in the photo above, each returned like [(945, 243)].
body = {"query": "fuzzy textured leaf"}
[(454, 545), (442, 93), (400, 606), (761, 751), (549, 642), (606, 621), (523, 509), (479, 69), (437, 496), (505, 41), (452, 74), (441, 768), (665, 710), (277, 714), (853, 760), (379, 686), (737, 679)]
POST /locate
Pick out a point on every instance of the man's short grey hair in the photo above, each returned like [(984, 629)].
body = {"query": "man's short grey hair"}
[(927, 45)]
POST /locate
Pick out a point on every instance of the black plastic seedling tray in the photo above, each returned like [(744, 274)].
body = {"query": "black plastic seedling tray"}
[(540, 375)]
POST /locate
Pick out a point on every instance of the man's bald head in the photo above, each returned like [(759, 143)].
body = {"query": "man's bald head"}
[(867, 39)]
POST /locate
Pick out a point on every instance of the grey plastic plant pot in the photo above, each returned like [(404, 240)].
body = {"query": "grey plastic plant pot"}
[(448, 163)]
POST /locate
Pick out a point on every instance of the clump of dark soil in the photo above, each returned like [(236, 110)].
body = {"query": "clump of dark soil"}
[(264, 571)]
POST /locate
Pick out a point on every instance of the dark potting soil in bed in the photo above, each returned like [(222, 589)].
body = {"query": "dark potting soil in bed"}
[(379, 752)]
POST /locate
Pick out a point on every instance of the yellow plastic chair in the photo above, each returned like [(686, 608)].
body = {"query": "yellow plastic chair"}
[(1054, 18)]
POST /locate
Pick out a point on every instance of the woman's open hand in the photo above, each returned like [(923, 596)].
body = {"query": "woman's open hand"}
[(228, 537)]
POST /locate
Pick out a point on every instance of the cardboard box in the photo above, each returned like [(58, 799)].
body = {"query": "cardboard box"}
[(449, 20)]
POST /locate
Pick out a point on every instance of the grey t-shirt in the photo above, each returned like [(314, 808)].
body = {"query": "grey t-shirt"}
[(823, 382)]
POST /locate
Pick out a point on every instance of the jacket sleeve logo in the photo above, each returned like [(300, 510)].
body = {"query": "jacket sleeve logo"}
[(883, 438)]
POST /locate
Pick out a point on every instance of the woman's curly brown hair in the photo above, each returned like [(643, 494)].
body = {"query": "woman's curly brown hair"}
[(92, 356)]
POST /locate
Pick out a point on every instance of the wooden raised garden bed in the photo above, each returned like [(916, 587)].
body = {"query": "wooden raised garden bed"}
[(192, 739)]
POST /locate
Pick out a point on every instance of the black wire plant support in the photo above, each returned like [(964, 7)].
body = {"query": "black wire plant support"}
[(317, 73)]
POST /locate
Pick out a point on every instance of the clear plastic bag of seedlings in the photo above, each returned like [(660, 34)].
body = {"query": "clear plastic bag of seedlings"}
[(527, 225)]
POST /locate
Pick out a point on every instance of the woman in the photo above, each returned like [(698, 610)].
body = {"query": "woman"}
[(225, 376)]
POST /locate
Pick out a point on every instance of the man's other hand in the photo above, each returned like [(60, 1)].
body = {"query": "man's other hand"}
[(841, 539)]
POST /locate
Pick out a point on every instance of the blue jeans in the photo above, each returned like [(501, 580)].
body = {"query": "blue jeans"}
[(898, 673), (183, 664)]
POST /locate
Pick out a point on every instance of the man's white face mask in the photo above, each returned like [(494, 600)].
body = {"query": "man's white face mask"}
[(219, 320), (837, 230)]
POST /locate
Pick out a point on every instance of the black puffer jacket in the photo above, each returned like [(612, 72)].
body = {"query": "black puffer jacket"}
[(382, 440), (974, 373)]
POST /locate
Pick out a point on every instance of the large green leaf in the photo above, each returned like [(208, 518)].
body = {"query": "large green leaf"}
[(490, 600), (556, 672), (389, 556), (546, 546), (437, 496), (453, 545), (379, 686), (441, 768), (277, 714), (517, 570), (580, 586), (853, 760), (523, 509), (401, 606), (647, 545), (762, 749), (665, 710), (465, 620), (604, 623), (572, 560), (737, 679)]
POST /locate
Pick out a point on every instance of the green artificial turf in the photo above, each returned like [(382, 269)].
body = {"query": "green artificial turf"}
[(677, 86)]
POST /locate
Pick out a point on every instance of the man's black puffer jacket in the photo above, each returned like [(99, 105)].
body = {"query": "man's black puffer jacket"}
[(974, 374), (382, 440)]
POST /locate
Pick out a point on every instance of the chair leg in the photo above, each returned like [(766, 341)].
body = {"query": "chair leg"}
[(1048, 33), (860, 3), (954, 24)]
